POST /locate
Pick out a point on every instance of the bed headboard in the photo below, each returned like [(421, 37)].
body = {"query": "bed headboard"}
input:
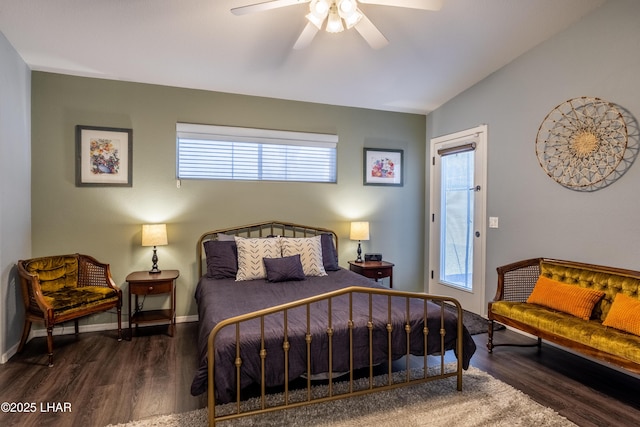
[(261, 229)]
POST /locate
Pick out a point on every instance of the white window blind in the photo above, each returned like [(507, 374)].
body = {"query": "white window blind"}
[(222, 152)]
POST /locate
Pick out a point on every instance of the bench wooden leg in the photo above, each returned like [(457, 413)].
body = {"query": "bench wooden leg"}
[(25, 334), (490, 335), (491, 345), (50, 344), (119, 324)]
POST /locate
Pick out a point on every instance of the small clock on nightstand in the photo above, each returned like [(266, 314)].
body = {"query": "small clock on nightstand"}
[(373, 269)]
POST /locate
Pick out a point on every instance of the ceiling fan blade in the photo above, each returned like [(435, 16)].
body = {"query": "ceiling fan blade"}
[(306, 37), (267, 5), (370, 33), (411, 4)]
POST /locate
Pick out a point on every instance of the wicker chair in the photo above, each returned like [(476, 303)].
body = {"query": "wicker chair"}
[(57, 289)]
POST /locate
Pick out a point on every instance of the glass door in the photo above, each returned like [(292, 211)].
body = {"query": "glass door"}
[(457, 218), (457, 222)]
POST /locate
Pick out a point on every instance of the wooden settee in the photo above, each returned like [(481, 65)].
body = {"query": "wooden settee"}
[(593, 337)]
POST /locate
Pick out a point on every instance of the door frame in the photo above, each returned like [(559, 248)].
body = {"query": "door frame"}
[(432, 260)]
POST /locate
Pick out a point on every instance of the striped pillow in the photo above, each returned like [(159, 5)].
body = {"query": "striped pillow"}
[(624, 314), (570, 299), (251, 252), (310, 251)]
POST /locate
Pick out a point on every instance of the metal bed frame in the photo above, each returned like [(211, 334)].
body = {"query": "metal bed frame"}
[(430, 373)]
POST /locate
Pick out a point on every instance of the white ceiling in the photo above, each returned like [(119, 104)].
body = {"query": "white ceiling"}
[(431, 56)]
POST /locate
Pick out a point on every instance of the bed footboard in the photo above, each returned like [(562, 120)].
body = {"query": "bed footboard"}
[(421, 331)]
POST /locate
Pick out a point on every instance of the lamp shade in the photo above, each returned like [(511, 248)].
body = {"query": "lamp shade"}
[(359, 230), (154, 235)]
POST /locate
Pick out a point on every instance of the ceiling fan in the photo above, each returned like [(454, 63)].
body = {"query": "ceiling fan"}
[(339, 14)]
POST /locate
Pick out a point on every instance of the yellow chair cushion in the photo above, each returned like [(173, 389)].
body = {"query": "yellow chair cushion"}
[(570, 299), (624, 314), (55, 272), (68, 298)]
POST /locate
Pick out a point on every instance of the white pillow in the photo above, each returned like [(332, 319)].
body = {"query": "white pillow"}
[(224, 237), (310, 250), (251, 251)]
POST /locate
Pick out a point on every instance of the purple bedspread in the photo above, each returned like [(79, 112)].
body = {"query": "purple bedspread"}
[(219, 299)]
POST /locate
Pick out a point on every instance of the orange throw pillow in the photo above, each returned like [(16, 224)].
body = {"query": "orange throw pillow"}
[(624, 314), (560, 296)]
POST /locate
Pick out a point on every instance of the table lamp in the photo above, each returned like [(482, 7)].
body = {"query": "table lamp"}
[(154, 235), (359, 232)]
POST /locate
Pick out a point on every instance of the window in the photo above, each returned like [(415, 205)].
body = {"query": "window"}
[(222, 152)]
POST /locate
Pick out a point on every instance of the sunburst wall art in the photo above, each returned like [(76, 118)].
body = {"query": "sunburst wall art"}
[(581, 143)]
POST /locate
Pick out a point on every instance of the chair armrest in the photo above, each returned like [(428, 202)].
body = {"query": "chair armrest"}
[(92, 272), (516, 280), (32, 291)]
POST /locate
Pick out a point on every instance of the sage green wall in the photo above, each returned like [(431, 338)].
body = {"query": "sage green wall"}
[(595, 57), (15, 183), (106, 222)]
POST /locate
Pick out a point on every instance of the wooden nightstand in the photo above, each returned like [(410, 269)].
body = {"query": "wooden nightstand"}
[(145, 283), (373, 269)]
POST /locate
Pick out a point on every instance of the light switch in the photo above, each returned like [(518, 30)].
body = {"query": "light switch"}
[(493, 222)]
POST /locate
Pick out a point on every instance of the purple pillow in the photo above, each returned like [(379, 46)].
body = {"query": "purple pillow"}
[(284, 269), (222, 259), (329, 254)]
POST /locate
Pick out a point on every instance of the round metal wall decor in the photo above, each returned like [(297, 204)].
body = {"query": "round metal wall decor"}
[(581, 142)]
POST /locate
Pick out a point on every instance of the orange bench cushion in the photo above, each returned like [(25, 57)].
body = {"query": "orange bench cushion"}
[(571, 299), (624, 314)]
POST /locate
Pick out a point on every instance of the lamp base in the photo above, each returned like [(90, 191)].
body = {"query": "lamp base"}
[(154, 260), (359, 259)]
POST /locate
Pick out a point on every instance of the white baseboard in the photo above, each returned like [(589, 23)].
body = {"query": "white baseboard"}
[(526, 334), (68, 329), (9, 353)]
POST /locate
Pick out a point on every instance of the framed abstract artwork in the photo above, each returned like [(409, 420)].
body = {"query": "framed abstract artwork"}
[(103, 156), (383, 167)]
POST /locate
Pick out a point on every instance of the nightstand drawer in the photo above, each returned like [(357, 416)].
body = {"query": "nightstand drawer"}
[(377, 273), (373, 269), (150, 288)]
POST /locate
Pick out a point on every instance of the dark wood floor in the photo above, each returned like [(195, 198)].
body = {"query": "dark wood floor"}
[(105, 381)]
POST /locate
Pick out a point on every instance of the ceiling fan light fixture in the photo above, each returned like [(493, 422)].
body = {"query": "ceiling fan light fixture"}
[(353, 18), (337, 11), (316, 20), (318, 11), (347, 6), (334, 23), (320, 7)]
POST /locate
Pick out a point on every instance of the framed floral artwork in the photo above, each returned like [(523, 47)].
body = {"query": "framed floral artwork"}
[(103, 156), (383, 167)]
